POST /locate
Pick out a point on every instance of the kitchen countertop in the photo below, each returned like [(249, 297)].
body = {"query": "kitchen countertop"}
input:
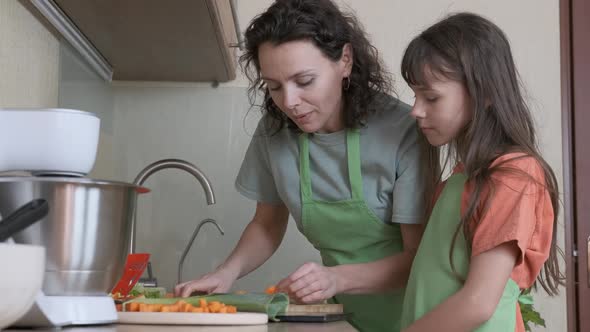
[(341, 326)]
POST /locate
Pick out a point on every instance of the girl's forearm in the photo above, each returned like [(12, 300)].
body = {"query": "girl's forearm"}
[(383, 275), (477, 300), (460, 312)]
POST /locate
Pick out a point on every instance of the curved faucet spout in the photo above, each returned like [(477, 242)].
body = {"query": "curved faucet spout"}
[(179, 164), (164, 164), (190, 243)]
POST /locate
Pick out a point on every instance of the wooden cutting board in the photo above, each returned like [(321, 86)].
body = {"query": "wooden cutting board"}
[(182, 318), (314, 308), (316, 313)]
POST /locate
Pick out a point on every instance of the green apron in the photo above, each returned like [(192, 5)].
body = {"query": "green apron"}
[(432, 279), (346, 232)]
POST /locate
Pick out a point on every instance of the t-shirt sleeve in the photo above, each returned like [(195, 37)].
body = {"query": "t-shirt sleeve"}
[(255, 179), (409, 204), (518, 210)]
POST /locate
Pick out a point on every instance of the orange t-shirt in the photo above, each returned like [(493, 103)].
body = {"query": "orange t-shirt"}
[(520, 211)]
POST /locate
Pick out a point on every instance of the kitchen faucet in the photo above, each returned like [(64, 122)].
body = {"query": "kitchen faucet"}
[(190, 243), (163, 164)]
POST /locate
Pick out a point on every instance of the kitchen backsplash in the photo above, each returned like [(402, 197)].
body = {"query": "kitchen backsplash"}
[(210, 127)]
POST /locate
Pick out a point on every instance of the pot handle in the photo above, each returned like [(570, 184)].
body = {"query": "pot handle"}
[(22, 218)]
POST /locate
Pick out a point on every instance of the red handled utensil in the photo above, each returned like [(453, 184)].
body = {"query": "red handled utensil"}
[(134, 267)]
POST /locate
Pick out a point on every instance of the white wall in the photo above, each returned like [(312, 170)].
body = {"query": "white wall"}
[(209, 127), (28, 59)]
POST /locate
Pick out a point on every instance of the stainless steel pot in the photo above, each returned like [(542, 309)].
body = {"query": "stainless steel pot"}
[(86, 233)]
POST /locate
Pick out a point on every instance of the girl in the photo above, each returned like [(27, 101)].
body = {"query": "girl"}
[(336, 152), (491, 230)]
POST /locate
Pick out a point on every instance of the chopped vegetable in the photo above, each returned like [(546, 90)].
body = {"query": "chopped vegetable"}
[(154, 293), (140, 291), (271, 289), (181, 306)]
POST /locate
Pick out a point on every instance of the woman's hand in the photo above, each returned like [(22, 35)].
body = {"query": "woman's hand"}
[(260, 240), (219, 281), (310, 283)]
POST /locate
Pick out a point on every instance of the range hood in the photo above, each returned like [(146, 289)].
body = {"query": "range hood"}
[(152, 40)]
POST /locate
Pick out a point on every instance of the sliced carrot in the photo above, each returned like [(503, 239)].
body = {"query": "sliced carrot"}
[(133, 306), (271, 289), (214, 306), (156, 308), (187, 307), (182, 306)]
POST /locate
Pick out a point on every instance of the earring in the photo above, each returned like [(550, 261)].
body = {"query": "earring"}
[(346, 83)]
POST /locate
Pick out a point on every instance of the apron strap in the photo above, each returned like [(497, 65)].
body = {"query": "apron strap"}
[(354, 163), (353, 159), (304, 176)]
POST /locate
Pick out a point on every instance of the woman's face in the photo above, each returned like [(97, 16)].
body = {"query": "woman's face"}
[(442, 109), (305, 84)]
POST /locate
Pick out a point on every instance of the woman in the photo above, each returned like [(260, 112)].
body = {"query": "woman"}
[(338, 154)]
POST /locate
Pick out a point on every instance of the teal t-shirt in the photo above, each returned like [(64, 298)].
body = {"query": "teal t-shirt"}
[(390, 157)]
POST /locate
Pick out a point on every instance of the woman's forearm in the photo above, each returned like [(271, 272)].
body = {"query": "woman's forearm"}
[(259, 241)]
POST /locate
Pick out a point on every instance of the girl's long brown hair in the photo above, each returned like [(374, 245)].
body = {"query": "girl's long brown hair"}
[(470, 49)]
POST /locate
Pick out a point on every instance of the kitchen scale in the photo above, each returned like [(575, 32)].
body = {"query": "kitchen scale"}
[(59, 311)]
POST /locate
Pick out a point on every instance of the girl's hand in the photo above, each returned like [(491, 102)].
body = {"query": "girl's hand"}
[(219, 281), (310, 283)]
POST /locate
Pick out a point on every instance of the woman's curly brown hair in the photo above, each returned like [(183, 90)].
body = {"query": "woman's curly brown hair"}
[(324, 24)]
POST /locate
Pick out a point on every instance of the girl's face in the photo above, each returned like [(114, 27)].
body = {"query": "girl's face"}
[(305, 84), (442, 108)]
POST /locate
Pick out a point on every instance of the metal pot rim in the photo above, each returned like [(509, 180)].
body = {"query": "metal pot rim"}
[(74, 180)]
